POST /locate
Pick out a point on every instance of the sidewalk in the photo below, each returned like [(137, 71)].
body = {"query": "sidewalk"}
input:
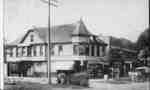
[(102, 84)]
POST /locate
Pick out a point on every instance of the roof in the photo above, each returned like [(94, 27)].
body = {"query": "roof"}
[(81, 29), (59, 33)]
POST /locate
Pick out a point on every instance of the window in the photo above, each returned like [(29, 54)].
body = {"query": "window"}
[(52, 50), (92, 53), (98, 50), (41, 50), (11, 52), (34, 50), (75, 50), (29, 51), (103, 50), (31, 38), (23, 51), (87, 50), (16, 51), (19, 51), (80, 50), (60, 49)]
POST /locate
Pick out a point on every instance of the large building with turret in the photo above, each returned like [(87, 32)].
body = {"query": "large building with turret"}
[(73, 47)]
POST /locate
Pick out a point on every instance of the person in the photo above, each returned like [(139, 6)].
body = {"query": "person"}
[(61, 78)]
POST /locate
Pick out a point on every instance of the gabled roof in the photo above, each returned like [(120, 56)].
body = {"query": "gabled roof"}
[(59, 33)]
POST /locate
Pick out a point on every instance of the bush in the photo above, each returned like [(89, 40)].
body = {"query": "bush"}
[(79, 79)]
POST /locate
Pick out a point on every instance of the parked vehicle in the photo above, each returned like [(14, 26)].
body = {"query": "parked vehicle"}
[(63, 76), (79, 79)]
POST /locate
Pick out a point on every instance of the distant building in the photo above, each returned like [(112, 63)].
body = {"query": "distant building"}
[(73, 47), (121, 55)]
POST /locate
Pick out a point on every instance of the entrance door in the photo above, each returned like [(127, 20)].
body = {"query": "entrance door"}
[(13, 69)]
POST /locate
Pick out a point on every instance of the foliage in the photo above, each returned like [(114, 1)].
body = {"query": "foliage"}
[(122, 43), (143, 45), (143, 39)]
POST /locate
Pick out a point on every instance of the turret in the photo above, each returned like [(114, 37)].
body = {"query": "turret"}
[(80, 34)]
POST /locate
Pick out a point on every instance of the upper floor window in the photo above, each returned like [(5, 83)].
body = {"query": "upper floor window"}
[(19, 51), (75, 50), (60, 49), (31, 38), (87, 50), (103, 50), (92, 50), (29, 51), (11, 52), (23, 51), (41, 50), (34, 51), (98, 50), (80, 50), (52, 49)]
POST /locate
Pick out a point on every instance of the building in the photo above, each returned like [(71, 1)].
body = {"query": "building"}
[(121, 54), (73, 47)]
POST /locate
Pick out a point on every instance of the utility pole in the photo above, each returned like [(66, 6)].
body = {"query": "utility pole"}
[(2, 54), (50, 3), (49, 46)]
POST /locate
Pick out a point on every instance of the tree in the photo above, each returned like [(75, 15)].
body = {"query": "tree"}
[(143, 45), (143, 39)]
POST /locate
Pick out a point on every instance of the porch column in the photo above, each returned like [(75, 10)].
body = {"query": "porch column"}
[(44, 50)]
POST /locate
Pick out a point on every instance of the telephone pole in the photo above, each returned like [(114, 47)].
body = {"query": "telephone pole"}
[(50, 3), (49, 51)]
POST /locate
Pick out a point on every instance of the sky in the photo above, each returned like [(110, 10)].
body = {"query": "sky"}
[(119, 18)]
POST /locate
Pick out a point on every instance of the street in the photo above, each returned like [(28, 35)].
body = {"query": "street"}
[(94, 85)]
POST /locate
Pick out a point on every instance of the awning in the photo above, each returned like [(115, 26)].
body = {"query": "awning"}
[(147, 69)]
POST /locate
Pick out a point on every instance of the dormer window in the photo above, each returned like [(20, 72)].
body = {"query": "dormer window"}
[(31, 38)]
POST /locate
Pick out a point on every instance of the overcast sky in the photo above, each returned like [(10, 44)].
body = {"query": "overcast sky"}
[(119, 18)]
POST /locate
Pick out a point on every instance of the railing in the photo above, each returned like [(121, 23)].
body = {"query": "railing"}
[(54, 58)]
